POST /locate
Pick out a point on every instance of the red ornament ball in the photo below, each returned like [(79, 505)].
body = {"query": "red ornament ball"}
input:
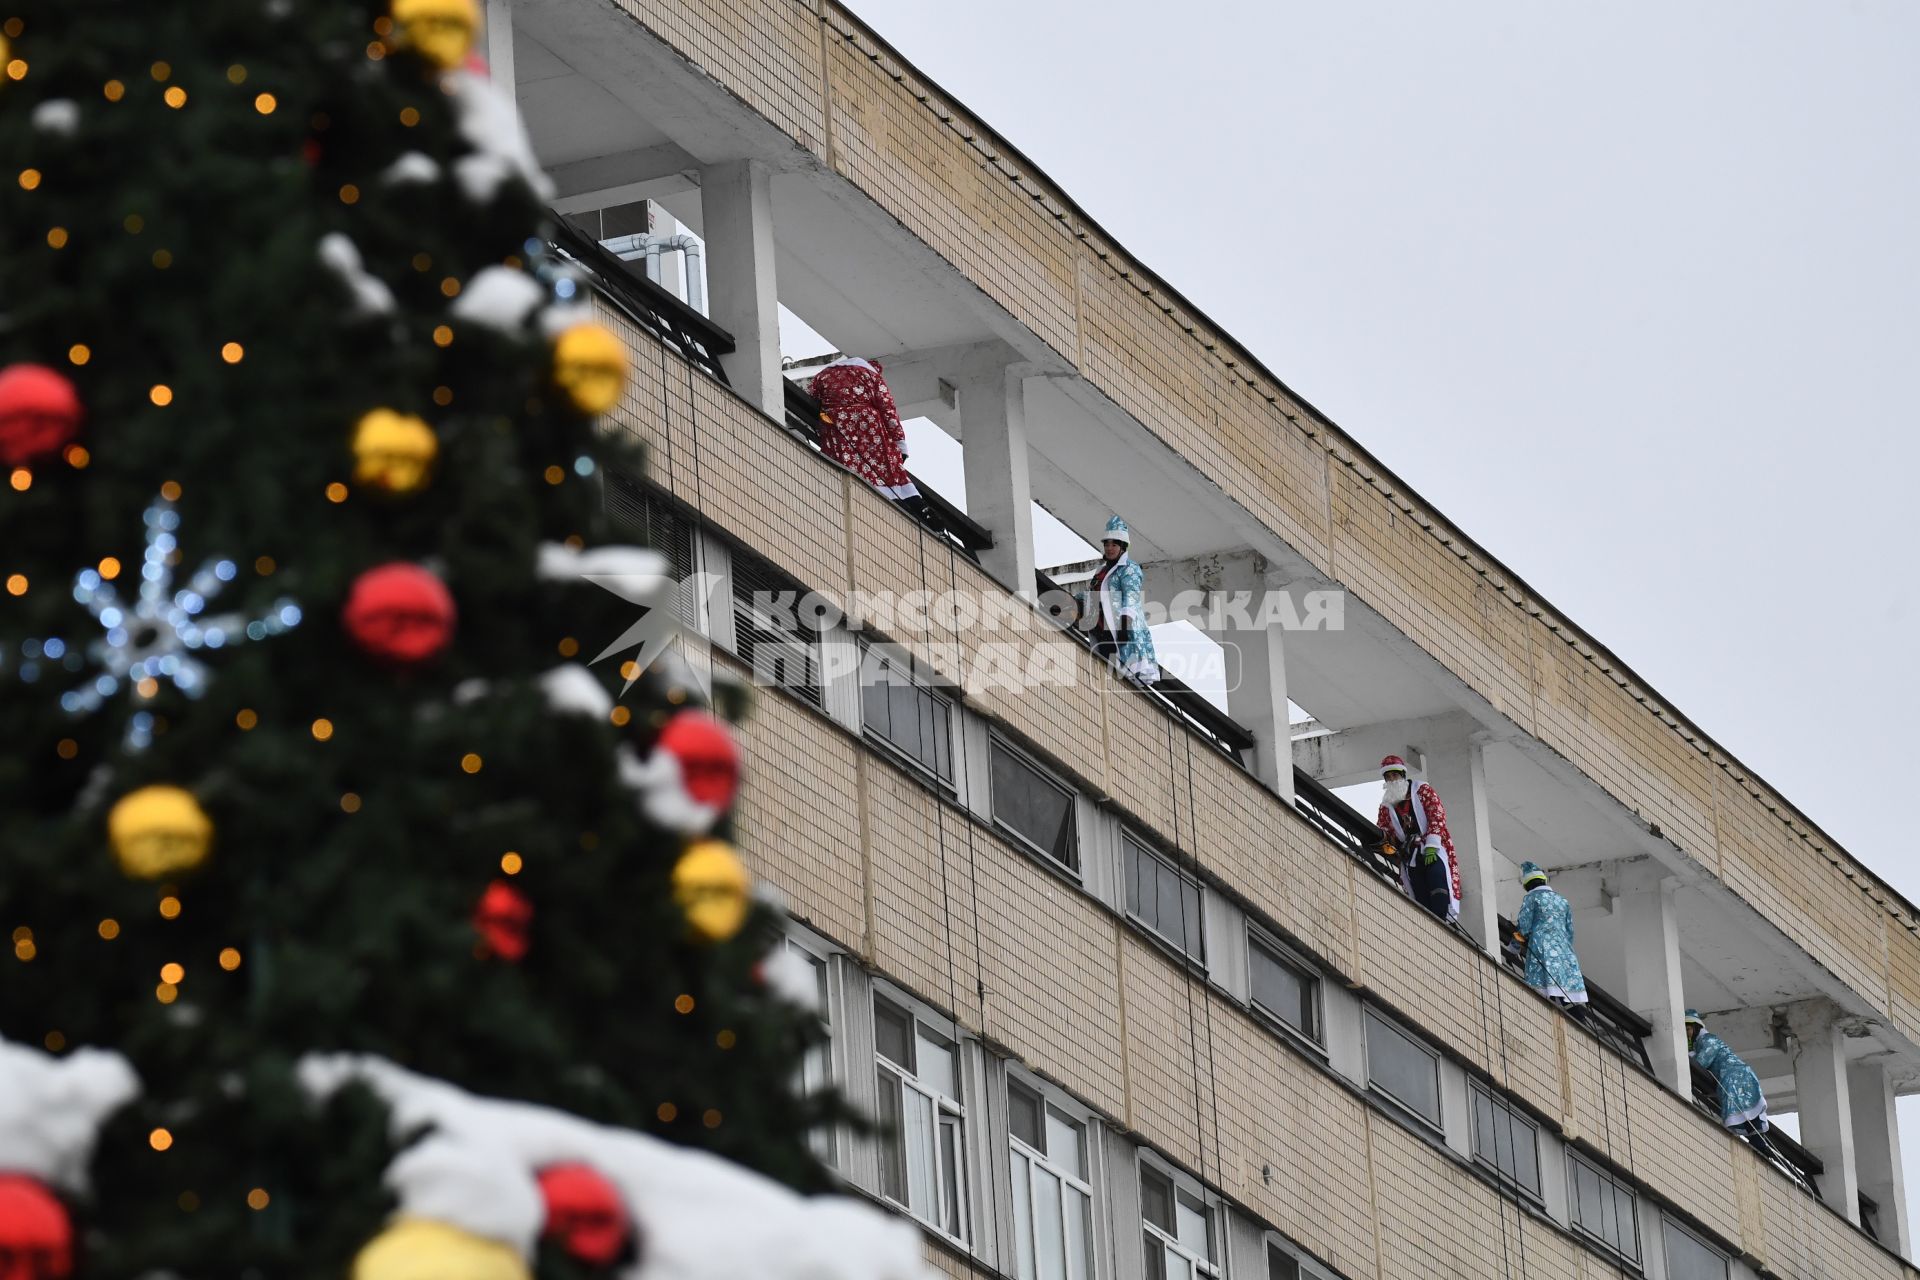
[(399, 613), (36, 1236), (709, 761), (39, 412), (585, 1213), (504, 920)]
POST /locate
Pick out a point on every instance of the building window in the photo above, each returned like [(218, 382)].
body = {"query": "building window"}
[(1177, 1229), (1052, 1192), (1164, 898), (650, 519), (816, 1065), (922, 1142), (1033, 806), (1281, 1266), (1506, 1141), (1282, 987), (1602, 1208), (769, 634), (1403, 1069), (1689, 1257), (909, 718)]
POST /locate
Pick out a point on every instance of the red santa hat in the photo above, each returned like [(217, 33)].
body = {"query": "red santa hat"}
[(1392, 763)]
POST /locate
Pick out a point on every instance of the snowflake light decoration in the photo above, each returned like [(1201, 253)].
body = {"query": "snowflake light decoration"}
[(157, 637)]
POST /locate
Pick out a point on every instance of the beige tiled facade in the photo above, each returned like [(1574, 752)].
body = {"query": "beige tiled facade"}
[(918, 888), (818, 73)]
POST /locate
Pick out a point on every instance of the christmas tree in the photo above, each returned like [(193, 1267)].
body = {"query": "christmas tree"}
[(333, 870)]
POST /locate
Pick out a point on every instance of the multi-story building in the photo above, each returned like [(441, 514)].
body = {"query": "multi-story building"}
[(1119, 970)]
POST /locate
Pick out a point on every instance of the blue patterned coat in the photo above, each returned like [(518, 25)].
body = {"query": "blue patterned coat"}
[(1122, 595), (1553, 969), (1740, 1096)]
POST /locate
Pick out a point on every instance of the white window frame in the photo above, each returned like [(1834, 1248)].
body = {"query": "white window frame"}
[(1620, 1188), (1197, 1196), (1130, 844), (1290, 959), (1515, 1117), (1434, 1123), (948, 1114), (902, 662), (1670, 1224), (818, 1061), (1020, 1151), (995, 742)]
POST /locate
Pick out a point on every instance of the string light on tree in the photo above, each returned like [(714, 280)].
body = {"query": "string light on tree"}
[(157, 637)]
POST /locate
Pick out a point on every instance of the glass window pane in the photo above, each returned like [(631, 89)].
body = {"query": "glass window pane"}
[(1066, 1144), (1023, 1216), (943, 740), (893, 1139), (1023, 1116), (1133, 860), (873, 703), (1194, 940), (950, 1174), (922, 1181), (1032, 805), (1156, 1255), (1280, 989), (936, 1065), (893, 1033), (1196, 1226), (1402, 1068), (1689, 1259), (1280, 1266), (1156, 1199), (1049, 1230), (1079, 1236), (904, 726), (1628, 1236)]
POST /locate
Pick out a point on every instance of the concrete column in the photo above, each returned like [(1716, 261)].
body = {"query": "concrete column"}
[(499, 46), (1821, 1079), (1876, 1151), (737, 207), (1650, 935), (1257, 701), (993, 436), (1458, 772)]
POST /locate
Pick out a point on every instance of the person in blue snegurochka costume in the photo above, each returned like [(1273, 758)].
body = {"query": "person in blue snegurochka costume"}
[(1116, 602), (1743, 1108), (1545, 927)]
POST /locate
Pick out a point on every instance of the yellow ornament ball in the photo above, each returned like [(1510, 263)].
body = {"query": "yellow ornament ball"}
[(421, 1249), (393, 451), (590, 365), (159, 831), (441, 31), (710, 884)]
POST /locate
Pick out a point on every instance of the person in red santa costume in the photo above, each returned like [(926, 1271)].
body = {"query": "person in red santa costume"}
[(861, 427), (1413, 823)]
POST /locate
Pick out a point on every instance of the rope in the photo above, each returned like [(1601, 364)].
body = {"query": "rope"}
[(1206, 1008), (1186, 986), (1480, 999), (1506, 1072)]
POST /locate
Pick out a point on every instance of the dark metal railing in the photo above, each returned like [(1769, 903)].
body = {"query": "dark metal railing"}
[(1776, 1145), (1617, 1026), (1178, 699), (932, 511), (698, 340), (1339, 822)]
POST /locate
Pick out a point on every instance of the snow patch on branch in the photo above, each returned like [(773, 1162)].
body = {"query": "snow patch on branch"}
[(370, 294), (414, 166), (51, 1109), (500, 298), (702, 1217), (490, 121), (57, 116), (574, 690)]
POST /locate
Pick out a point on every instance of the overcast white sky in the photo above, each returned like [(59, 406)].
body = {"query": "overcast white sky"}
[(1630, 291)]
